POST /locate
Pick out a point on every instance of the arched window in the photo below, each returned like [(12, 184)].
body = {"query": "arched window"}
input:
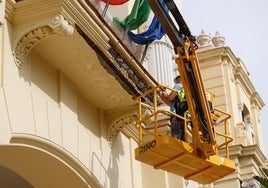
[(246, 118)]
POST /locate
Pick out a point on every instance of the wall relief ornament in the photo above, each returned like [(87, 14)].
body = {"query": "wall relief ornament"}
[(124, 124), (40, 31)]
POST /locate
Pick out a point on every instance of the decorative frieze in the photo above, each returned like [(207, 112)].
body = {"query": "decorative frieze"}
[(118, 126), (27, 42), (53, 26)]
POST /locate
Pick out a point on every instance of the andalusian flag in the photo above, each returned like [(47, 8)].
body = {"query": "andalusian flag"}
[(154, 32), (115, 2), (139, 14)]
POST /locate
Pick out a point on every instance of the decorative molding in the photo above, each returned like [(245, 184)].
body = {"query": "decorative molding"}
[(119, 125), (57, 152), (2, 12), (27, 42), (9, 9), (38, 32), (61, 26)]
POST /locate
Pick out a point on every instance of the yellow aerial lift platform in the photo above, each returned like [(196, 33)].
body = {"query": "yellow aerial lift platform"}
[(178, 157), (196, 157)]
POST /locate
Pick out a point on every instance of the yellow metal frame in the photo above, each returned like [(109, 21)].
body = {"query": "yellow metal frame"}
[(155, 111), (222, 118), (189, 56), (195, 158), (182, 158)]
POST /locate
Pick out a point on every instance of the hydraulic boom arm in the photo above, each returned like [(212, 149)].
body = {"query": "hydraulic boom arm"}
[(187, 62), (195, 157)]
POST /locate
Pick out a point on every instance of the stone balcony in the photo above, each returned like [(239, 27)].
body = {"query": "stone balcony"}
[(92, 48), (95, 54)]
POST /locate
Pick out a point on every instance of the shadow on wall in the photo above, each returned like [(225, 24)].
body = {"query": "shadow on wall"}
[(9, 178), (108, 176), (113, 169)]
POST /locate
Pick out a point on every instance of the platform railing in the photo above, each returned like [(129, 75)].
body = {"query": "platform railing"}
[(156, 111), (151, 114)]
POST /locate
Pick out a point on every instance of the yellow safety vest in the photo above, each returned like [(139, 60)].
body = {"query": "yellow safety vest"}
[(181, 95)]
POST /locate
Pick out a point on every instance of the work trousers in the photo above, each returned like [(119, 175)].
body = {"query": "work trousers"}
[(177, 128)]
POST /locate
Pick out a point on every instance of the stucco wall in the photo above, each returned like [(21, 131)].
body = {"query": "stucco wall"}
[(40, 101)]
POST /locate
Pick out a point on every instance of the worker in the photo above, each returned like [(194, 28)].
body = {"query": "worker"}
[(172, 99)]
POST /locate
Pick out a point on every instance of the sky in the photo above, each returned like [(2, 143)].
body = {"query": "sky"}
[(245, 28)]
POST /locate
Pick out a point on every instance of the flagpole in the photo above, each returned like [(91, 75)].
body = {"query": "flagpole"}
[(105, 8)]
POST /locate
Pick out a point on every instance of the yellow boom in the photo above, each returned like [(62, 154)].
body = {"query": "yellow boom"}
[(195, 158)]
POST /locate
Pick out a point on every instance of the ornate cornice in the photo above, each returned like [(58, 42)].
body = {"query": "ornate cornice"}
[(27, 38), (9, 9), (256, 99), (224, 54)]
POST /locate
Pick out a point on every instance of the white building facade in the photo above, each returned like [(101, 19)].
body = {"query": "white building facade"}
[(68, 82)]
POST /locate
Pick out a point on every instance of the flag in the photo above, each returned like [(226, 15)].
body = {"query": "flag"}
[(139, 14), (155, 31), (115, 2)]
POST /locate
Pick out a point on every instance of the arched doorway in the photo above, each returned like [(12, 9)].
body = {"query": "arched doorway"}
[(37, 162)]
